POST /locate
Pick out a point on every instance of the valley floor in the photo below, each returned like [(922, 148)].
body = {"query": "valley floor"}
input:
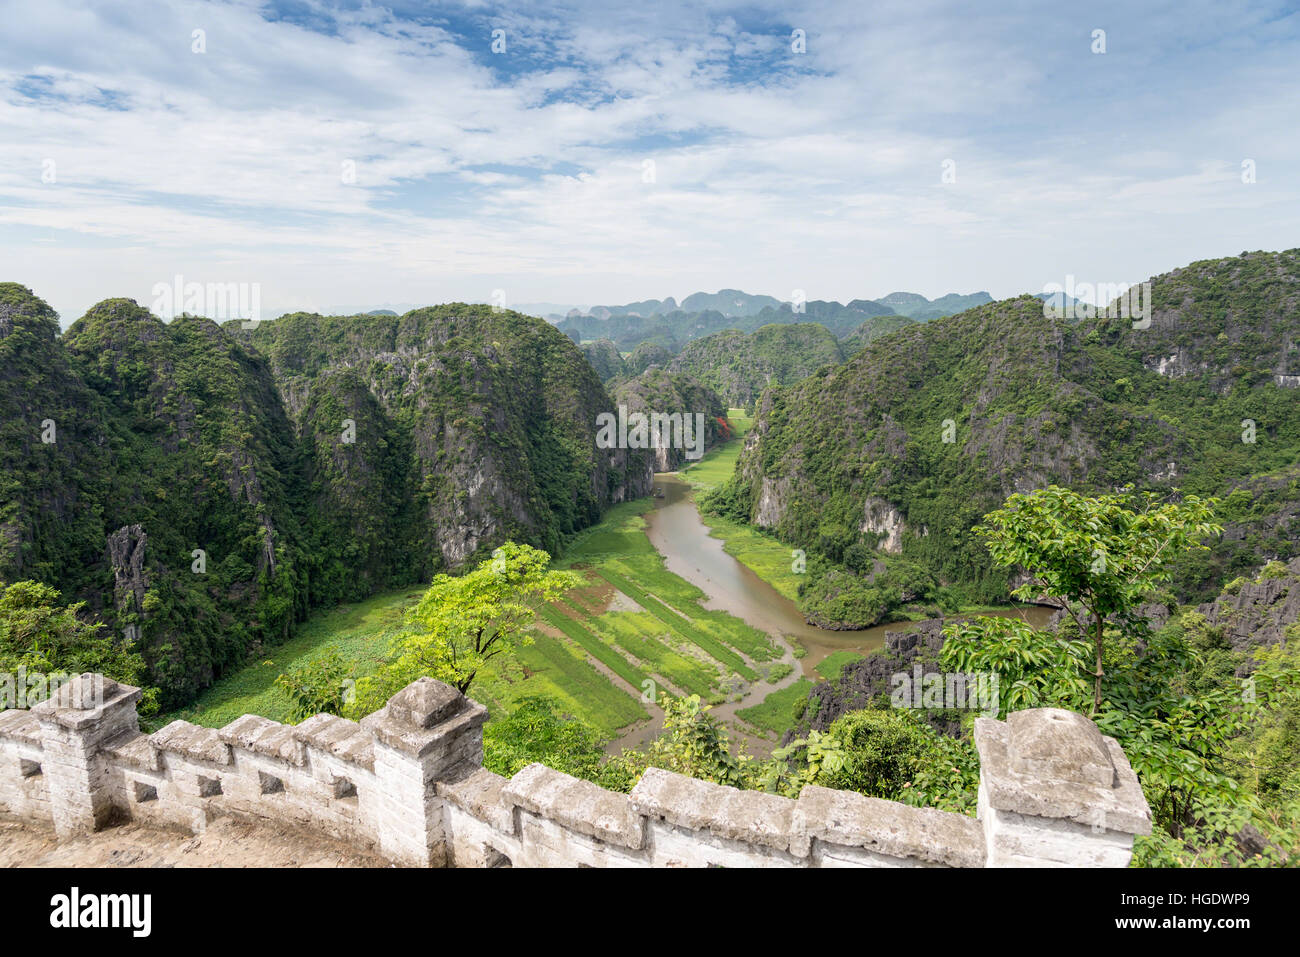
[(606, 652)]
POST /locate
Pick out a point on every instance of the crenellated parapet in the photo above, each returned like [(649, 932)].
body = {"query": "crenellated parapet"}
[(408, 781)]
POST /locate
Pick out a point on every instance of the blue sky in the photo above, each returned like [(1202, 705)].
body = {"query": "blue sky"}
[(621, 151)]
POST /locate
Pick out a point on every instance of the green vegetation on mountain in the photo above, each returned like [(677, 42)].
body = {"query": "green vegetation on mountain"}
[(501, 409), (739, 367), (658, 391), (905, 446), (645, 355), (201, 487), (604, 358), (671, 331), (870, 330)]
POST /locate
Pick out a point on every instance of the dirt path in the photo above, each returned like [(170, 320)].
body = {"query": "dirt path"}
[(226, 843)]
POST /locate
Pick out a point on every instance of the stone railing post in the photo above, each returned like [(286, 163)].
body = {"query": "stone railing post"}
[(427, 732), (76, 722), (1056, 792)]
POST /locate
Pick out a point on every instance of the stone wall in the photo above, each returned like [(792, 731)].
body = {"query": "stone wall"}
[(408, 782)]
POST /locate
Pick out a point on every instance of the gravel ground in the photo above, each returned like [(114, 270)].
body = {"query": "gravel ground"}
[(226, 843)]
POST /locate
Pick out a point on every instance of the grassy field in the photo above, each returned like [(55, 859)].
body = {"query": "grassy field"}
[(716, 467), (777, 711), (359, 633), (667, 638), (831, 666)]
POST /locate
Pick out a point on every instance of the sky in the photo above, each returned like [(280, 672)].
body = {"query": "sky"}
[(353, 155)]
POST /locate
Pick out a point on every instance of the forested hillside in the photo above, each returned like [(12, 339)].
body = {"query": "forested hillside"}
[(658, 390), (904, 447), (202, 487), (739, 366)]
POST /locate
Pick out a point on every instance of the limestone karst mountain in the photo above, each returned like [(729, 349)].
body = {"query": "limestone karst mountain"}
[(659, 390), (936, 424), (739, 366), (203, 486)]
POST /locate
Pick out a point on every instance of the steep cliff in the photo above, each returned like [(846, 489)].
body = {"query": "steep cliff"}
[(911, 441), (739, 366), (501, 410), (202, 487)]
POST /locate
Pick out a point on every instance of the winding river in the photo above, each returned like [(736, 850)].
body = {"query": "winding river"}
[(679, 534), (677, 531)]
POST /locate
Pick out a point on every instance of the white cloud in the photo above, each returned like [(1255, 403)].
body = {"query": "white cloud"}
[(773, 171)]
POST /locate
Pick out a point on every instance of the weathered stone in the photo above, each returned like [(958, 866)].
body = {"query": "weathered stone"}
[(886, 827), (136, 750), (1059, 745), (204, 744), (425, 703), (1054, 792), (20, 725), (405, 731), (1088, 780), (340, 737), (85, 700), (576, 804), (263, 736), (754, 817), (480, 794)]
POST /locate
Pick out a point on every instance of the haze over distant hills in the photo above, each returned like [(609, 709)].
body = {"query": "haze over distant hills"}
[(670, 324), (734, 302)]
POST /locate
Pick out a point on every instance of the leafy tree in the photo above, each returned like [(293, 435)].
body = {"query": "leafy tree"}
[(321, 686), (538, 731), (1170, 698), (880, 752), (461, 623), (1098, 556), (40, 635)]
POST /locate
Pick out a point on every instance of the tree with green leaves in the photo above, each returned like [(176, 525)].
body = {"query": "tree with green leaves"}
[(40, 635), (537, 729), (1099, 556), (463, 622)]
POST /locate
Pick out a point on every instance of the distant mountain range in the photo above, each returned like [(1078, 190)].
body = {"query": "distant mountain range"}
[(667, 323), (734, 303)]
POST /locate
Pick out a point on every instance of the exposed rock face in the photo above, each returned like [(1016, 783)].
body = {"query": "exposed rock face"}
[(1213, 318), (126, 556), (882, 519), (686, 402), (500, 411), (865, 681), (1258, 612), (771, 505)]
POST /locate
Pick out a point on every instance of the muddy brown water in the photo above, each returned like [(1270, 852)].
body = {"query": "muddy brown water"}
[(678, 533), (681, 536)]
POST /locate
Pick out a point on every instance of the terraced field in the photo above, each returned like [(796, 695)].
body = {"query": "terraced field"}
[(607, 651)]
